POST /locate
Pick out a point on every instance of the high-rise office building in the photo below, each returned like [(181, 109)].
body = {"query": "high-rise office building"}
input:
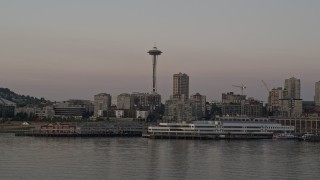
[(291, 104), (286, 102), (292, 86), (179, 107), (124, 101), (274, 99), (199, 105), (317, 94), (181, 85), (102, 103)]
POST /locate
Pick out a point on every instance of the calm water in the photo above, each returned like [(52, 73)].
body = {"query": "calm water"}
[(139, 158)]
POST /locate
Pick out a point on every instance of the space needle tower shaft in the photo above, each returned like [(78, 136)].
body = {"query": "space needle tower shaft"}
[(154, 53)]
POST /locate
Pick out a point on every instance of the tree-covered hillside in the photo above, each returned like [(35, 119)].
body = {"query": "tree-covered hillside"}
[(21, 100)]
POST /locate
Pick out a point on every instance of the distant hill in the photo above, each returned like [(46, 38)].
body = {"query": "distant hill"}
[(22, 100)]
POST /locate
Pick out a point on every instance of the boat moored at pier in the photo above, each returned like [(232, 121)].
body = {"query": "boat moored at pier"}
[(218, 130), (285, 136)]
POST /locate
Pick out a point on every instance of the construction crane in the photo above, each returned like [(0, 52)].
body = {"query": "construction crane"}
[(265, 85), (242, 87)]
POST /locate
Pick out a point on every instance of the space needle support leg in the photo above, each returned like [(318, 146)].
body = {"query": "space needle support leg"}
[(154, 72)]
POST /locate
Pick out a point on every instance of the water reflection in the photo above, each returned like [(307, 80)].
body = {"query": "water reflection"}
[(139, 158)]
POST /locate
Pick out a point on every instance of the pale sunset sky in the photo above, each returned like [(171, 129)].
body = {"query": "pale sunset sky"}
[(74, 49)]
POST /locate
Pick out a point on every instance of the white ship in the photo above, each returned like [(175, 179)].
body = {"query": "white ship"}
[(218, 129)]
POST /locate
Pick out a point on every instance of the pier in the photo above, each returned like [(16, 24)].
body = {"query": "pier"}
[(88, 134), (212, 136), (87, 130)]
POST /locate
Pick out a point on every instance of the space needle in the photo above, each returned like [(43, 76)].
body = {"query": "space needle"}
[(155, 53)]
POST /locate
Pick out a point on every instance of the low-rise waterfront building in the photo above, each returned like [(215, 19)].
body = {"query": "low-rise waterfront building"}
[(290, 107), (46, 112), (75, 108), (142, 114), (253, 108), (69, 111), (146, 101), (59, 129), (302, 124), (27, 110), (238, 105), (121, 113), (231, 109), (7, 108), (131, 103)]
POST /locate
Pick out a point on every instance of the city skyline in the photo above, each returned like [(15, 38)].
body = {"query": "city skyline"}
[(101, 46)]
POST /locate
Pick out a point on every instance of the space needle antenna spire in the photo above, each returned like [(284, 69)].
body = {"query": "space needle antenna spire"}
[(154, 53)]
